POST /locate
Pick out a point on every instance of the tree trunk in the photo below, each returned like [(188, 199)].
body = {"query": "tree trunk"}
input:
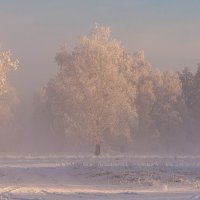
[(97, 150)]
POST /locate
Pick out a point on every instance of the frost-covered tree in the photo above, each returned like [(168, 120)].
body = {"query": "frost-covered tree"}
[(191, 91), (187, 79), (159, 101), (147, 80), (138, 74), (194, 100), (90, 97), (8, 98), (166, 110)]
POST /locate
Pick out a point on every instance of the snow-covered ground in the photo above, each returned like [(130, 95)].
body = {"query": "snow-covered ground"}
[(106, 177)]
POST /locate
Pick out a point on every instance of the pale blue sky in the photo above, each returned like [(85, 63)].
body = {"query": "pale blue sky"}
[(167, 30)]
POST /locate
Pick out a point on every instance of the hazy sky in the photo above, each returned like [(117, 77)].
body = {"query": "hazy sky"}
[(167, 30)]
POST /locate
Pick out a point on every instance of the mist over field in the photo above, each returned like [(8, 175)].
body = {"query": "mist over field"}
[(99, 99), (102, 99), (81, 87)]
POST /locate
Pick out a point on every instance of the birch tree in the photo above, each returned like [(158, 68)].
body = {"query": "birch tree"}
[(90, 96)]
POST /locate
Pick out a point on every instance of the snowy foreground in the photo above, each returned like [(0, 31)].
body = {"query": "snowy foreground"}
[(111, 178)]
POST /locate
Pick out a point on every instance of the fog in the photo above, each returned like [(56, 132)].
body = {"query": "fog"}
[(34, 32)]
